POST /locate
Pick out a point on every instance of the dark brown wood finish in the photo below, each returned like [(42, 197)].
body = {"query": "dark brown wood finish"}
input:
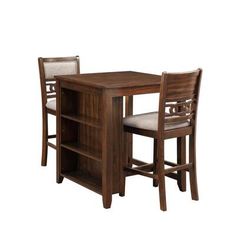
[(155, 159), (181, 159), (129, 136), (116, 80), (48, 67), (178, 103), (79, 130), (107, 149), (90, 128), (118, 137)]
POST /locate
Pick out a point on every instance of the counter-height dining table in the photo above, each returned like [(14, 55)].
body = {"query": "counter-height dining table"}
[(90, 137)]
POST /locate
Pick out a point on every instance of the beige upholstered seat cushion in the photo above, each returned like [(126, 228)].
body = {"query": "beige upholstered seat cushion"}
[(51, 104), (148, 121)]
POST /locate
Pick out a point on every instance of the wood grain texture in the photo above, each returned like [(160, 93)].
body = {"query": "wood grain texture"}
[(107, 158), (118, 139), (129, 137), (114, 80)]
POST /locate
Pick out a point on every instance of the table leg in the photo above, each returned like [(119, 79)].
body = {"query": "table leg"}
[(59, 178), (107, 150), (181, 159), (118, 155)]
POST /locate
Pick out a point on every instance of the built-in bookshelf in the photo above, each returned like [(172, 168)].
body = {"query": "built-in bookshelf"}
[(80, 145)]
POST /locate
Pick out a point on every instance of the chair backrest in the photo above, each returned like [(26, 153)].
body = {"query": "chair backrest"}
[(49, 67), (179, 98)]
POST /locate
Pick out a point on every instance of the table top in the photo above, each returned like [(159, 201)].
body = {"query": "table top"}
[(113, 80)]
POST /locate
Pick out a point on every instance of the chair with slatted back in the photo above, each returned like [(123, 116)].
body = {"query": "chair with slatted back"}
[(176, 118), (48, 68)]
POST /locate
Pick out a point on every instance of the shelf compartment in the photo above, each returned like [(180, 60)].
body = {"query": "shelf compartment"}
[(83, 120), (83, 150), (85, 180)]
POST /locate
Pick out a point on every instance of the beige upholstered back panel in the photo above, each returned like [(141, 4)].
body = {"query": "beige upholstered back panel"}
[(60, 68)]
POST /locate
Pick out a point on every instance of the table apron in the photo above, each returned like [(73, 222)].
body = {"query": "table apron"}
[(133, 91)]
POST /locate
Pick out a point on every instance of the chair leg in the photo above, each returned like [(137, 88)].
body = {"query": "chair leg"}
[(155, 181), (123, 163), (128, 112), (161, 174), (44, 139), (129, 148), (192, 171), (181, 159)]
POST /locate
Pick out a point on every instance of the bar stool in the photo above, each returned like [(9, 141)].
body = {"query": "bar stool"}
[(177, 117), (48, 68)]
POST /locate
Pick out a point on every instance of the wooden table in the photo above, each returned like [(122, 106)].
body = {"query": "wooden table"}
[(89, 127)]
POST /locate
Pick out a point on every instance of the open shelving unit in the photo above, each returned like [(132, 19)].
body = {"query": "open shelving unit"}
[(79, 142), (80, 138)]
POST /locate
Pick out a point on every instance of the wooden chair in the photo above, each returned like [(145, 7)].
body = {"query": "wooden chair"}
[(176, 118), (48, 68)]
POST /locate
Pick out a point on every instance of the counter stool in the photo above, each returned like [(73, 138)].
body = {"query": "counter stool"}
[(176, 118), (48, 68)]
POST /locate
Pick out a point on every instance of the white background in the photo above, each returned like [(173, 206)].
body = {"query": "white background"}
[(148, 36)]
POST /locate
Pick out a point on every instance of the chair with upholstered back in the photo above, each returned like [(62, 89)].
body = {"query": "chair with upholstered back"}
[(176, 118), (48, 68)]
